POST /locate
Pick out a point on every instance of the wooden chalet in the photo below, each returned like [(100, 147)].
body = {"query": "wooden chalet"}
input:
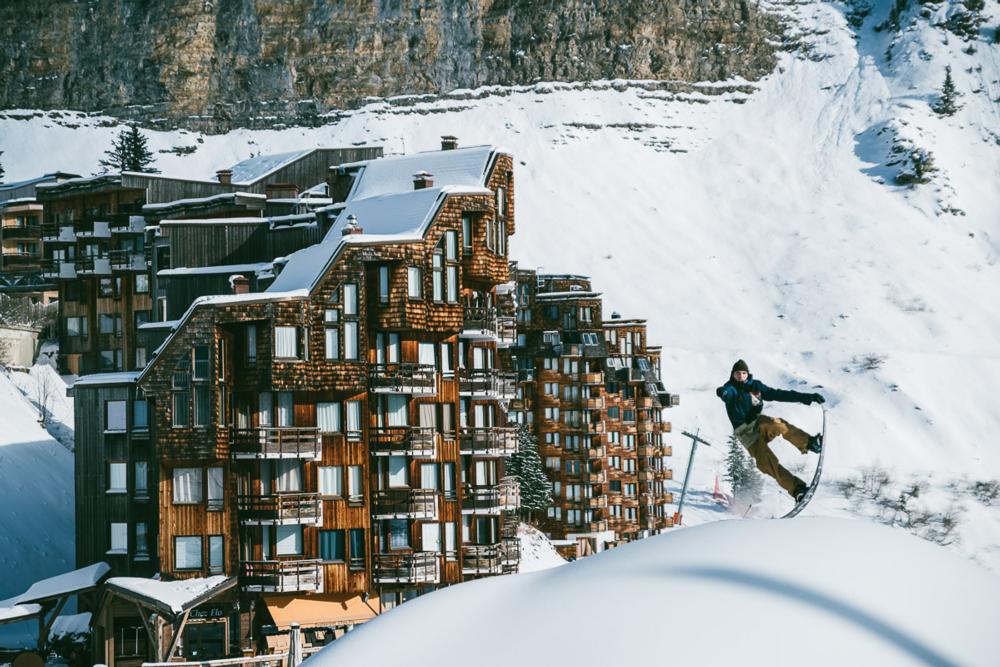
[(592, 392), (332, 431)]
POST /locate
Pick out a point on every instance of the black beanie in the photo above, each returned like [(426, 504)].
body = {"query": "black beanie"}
[(740, 366)]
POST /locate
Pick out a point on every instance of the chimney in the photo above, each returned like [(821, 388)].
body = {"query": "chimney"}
[(281, 190), (422, 180), (225, 176), (351, 227), (240, 284), (449, 143)]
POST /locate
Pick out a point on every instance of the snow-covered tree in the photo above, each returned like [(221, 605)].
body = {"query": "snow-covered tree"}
[(966, 21), (526, 466), (947, 104), (129, 152), (741, 472)]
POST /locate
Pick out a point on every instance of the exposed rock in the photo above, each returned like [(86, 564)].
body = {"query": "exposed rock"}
[(215, 64)]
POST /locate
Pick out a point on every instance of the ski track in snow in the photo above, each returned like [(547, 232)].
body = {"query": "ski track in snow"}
[(758, 230)]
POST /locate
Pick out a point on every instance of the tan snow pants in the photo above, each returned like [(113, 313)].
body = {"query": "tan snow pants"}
[(756, 435)]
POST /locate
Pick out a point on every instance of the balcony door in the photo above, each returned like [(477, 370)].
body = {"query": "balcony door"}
[(398, 472), (264, 409), (288, 476), (286, 409)]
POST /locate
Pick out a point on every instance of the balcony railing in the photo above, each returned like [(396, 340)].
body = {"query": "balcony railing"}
[(415, 568), (402, 441), (486, 324), (596, 477), (128, 224), (21, 232), (510, 553), (60, 269), (58, 233), (98, 230), (482, 559), (280, 442), (488, 441), (486, 383), (406, 504), (597, 501), (492, 499), (596, 452), (126, 260), (405, 378), (95, 265), (592, 378), (281, 576), (281, 509)]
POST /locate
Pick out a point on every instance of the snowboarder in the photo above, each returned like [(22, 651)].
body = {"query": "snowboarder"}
[(744, 398)]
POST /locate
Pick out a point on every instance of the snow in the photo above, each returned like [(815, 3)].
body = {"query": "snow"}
[(204, 200), (206, 270), (10, 611), (253, 169), (65, 584), (462, 166), (36, 503), (305, 267), (814, 591), (175, 595), (214, 221), (404, 213), (70, 624), (537, 552), (126, 377)]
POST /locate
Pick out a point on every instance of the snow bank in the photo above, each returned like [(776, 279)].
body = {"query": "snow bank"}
[(804, 591), (537, 553)]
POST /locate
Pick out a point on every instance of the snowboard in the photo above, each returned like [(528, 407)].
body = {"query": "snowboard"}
[(801, 505)]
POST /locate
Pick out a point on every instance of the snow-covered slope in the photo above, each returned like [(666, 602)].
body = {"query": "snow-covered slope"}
[(815, 592), (36, 504), (762, 222)]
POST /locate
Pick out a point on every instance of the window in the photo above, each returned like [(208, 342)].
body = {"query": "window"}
[(398, 472), (119, 538), (140, 357), (332, 338), (216, 551), (467, 233), (288, 540), (449, 541), (76, 326), (353, 420), (351, 341), (586, 314), (383, 284), (201, 405), (437, 283), (187, 552), (287, 475), (251, 344), (141, 541), (187, 486), (448, 485), (413, 287), (350, 299), (451, 245), (331, 481), (452, 284), (117, 476), (328, 417), (399, 533), (141, 283), (111, 360), (114, 416), (357, 537), (430, 537), (446, 353), (425, 354), (286, 343), (590, 339), (141, 479), (355, 491), (429, 476), (286, 409), (106, 288), (181, 408), (331, 545), (200, 362), (216, 492)]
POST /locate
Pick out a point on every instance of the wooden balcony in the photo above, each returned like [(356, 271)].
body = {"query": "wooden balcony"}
[(592, 378), (492, 441), (281, 509), (125, 260), (598, 452), (405, 378), (97, 229), (595, 526), (646, 427), (667, 450), (280, 442), (59, 269), (594, 427), (595, 403), (406, 568), (596, 502), (596, 477), (486, 383), (650, 450), (420, 441), (20, 232), (482, 559), (94, 266), (644, 402), (664, 474), (281, 576), (486, 324), (406, 504), (56, 233), (493, 499), (646, 475)]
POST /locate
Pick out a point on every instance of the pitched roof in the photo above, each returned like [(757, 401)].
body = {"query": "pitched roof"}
[(255, 168), (462, 166)]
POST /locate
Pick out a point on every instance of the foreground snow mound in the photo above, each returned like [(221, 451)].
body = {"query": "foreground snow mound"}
[(815, 591)]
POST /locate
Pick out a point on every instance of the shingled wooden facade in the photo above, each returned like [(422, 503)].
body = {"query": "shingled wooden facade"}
[(591, 389)]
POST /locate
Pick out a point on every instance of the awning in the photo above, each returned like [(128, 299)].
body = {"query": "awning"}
[(332, 610)]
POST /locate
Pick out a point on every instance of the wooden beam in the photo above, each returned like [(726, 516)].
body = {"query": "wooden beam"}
[(178, 628), (45, 625), (145, 623)]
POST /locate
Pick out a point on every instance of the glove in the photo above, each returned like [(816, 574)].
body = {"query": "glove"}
[(817, 398)]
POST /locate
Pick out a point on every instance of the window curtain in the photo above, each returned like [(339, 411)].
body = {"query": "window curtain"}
[(287, 476), (328, 417), (286, 410), (354, 416), (116, 416), (397, 412), (285, 344), (426, 354)]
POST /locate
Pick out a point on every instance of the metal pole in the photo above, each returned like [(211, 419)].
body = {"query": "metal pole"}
[(678, 515)]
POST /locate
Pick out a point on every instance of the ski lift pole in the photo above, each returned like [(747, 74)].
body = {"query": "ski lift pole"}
[(678, 515)]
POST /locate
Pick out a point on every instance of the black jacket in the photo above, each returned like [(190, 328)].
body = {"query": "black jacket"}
[(739, 399)]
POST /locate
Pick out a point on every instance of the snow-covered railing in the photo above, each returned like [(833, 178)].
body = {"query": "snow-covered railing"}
[(482, 559), (487, 383), (492, 499), (402, 441), (415, 568), (488, 441)]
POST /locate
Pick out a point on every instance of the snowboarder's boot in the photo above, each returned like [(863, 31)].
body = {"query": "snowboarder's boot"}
[(800, 491), (815, 443)]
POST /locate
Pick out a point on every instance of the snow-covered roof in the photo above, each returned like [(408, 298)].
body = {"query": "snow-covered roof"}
[(127, 377), (397, 213), (70, 624), (166, 324), (14, 185), (205, 200), (210, 270), (214, 221), (305, 267), (67, 583), (462, 166), (574, 294), (617, 322), (11, 612), (253, 169), (172, 597)]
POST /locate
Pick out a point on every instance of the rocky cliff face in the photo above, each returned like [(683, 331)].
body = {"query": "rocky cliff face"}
[(214, 64)]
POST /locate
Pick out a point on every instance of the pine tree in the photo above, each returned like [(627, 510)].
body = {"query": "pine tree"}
[(526, 466), (947, 104), (129, 152), (741, 473)]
